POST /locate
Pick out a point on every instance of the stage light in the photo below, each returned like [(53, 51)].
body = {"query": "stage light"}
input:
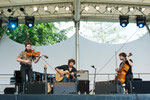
[(108, 8), (124, 20), (22, 9), (56, 8), (13, 22), (119, 8), (29, 21), (141, 21), (9, 10), (97, 7), (45, 8), (86, 8), (67, 8), (143, 9), (35, 9), (131, 8)]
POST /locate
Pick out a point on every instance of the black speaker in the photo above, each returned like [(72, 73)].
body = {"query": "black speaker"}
[(141, 87), (83, 86), (9, 90), (107, 87), (35, 88), (65, 88), (17, 75)]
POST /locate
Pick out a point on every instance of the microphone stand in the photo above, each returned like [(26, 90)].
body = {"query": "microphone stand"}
[(94, 80), (45, 75)]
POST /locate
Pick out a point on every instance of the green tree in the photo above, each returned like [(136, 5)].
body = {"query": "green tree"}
[(103, 32), (40, 34), (1, 31)]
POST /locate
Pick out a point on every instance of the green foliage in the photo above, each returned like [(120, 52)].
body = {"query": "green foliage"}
[(104, 32), (1, 31), (40, 34)]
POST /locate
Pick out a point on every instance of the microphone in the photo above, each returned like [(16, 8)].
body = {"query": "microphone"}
[(78, 75), (92, 66)]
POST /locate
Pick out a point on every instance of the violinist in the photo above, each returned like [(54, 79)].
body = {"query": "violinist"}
[(25, 58)]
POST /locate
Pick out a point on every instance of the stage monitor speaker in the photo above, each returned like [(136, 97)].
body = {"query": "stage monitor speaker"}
[(141, 87), (107, 87), (84, 75), (65, 88), (9, 90), (83, 86), (35, 88)]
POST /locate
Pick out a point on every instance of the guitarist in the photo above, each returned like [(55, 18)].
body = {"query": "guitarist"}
[(70, 68), (129, 75)]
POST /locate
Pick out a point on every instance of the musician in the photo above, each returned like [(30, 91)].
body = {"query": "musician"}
[(70, 68), (129, 75), (26, 64)]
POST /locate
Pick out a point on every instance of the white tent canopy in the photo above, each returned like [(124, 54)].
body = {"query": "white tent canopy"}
[(90, 53)]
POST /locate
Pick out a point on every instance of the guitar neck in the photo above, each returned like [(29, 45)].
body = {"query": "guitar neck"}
[(77, 72), (71, 72)]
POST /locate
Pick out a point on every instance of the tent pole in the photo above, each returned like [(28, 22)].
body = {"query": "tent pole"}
[(77, 25), (148, 28), (77, 44)]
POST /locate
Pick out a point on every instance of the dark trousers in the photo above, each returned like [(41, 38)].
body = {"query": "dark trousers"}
[(26, 76), (128, 83), (65, 79)]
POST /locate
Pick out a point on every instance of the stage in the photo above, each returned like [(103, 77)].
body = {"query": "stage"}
[(75, 97)]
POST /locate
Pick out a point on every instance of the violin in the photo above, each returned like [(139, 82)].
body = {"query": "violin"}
[(35, 54)]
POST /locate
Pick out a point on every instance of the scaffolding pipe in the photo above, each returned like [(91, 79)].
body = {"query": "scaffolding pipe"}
[(77, 23), (148, 28)]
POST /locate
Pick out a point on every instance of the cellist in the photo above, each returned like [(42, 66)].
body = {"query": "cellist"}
[(129, 75)]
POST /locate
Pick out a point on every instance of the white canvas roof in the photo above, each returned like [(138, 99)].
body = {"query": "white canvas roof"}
[(90, 53), (100, 13)]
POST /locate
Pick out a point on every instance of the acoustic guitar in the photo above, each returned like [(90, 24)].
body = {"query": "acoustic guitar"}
[(121, 75), (66, 73)]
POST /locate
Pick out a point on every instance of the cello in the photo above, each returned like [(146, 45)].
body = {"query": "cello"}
[(121, 75)]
